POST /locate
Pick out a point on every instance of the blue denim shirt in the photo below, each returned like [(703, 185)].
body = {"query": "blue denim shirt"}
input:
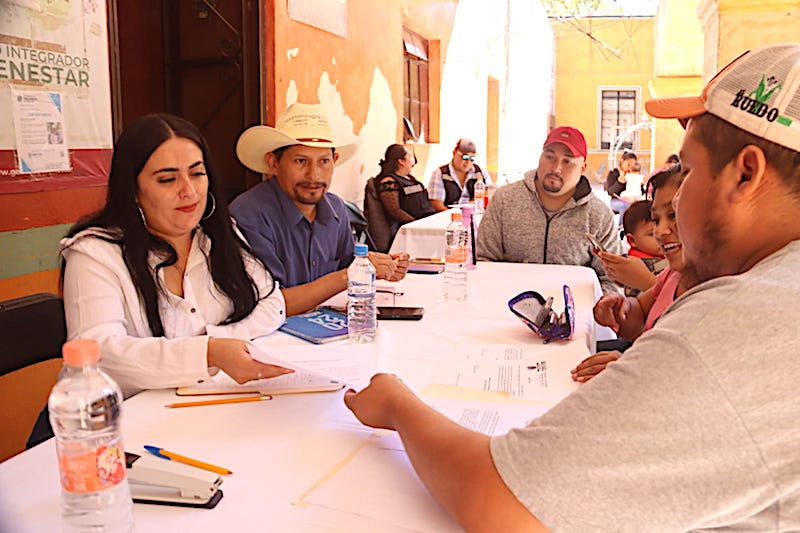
[(295, 250)]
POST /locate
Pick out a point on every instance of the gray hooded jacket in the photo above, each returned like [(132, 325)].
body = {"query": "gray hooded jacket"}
[(516, 228)]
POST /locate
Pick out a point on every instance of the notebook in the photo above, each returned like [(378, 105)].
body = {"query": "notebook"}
[(318, 326), (426, 265), (297, 382)]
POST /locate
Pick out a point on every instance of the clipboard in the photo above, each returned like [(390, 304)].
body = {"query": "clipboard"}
[(300, 381)]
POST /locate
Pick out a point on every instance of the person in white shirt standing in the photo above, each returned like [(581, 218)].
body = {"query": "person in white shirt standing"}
[(160, 277)]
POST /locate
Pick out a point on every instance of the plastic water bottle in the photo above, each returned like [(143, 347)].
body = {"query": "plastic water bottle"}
[(480, 195), (455, 265), (361, 317), (467, 218), (85, 410)]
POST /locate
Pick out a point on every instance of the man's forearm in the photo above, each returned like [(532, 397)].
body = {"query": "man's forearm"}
[(302, 298), (456, 466)]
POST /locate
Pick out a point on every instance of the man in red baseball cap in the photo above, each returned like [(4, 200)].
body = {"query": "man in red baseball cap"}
[(543, 218), (570, 137)]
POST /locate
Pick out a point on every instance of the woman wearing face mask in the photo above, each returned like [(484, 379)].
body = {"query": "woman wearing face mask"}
[(159, 276)]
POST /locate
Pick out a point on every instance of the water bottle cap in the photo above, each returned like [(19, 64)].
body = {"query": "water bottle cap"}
[(361, 250), (455, 216), (81, 352)]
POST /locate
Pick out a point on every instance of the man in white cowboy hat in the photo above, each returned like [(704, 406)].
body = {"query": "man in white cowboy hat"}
[(697, 426), (295, 226)]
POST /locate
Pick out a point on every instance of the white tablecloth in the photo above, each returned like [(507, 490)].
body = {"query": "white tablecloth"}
[(280, 449), (423, 237)]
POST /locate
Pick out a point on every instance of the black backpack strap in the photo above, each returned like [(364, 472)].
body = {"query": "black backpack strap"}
[(445, 169)]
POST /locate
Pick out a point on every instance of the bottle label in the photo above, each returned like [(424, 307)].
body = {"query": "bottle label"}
[(361, 290), (91, 470), (456, 254)]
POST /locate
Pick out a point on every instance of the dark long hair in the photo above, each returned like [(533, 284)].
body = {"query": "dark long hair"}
[(669, 176), (390, 158), (123, 224)]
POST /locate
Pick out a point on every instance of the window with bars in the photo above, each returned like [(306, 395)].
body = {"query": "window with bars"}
[(416, 74), (618, 113)]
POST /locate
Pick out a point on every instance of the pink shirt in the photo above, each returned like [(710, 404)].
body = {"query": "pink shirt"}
[(664, 292)]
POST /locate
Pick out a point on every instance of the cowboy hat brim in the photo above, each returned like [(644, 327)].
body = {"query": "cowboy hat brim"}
[(257, 141)]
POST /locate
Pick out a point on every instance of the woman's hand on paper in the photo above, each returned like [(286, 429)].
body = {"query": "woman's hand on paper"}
[(375, 405), (232, 356), (628, 271), (593, 365), (612, 310)]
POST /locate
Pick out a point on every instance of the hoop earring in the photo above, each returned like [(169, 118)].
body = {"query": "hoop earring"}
[(213, 207), (141, 214)]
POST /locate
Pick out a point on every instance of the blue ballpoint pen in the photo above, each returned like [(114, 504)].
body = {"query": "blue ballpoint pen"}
[(170, 456)]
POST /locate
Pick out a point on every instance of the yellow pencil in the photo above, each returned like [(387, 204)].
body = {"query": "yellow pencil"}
[(164, 454), (218, 402)]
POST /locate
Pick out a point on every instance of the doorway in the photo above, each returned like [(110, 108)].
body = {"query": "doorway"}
[(198, 59)]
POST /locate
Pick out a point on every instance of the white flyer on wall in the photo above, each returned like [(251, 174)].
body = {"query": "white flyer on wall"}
[(40, 132)]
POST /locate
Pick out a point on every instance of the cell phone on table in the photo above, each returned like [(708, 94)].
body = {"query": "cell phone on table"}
[(400, 313), (595, 243)]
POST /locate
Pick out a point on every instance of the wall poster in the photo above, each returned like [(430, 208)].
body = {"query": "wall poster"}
[(55, 97)]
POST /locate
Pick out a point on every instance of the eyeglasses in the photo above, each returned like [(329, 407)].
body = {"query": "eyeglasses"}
[(467, 157), (537, 313)]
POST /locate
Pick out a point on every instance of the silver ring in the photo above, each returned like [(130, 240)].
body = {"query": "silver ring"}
[(258, 376)]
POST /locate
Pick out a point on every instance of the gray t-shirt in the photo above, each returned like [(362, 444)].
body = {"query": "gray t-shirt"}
[(696, 427)]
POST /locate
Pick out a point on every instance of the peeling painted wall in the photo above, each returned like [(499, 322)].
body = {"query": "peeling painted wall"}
[(360, 79)]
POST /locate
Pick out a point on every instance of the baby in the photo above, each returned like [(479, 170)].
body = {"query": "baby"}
[(639, 229)]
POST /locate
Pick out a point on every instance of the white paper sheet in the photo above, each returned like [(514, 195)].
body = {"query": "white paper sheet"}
[(380, 483), (537, 372), (489, 418), (352, 364), (298, 381)]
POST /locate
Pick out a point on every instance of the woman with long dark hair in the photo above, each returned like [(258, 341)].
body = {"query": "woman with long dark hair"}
[(159, 276)]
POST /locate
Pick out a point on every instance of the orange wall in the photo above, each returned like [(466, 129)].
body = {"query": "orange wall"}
[(374, 40), (299, 56), (584, 64)]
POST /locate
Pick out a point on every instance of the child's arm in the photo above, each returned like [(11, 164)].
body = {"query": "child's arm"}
[(626, 316), (634, 326), (593, 365)]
